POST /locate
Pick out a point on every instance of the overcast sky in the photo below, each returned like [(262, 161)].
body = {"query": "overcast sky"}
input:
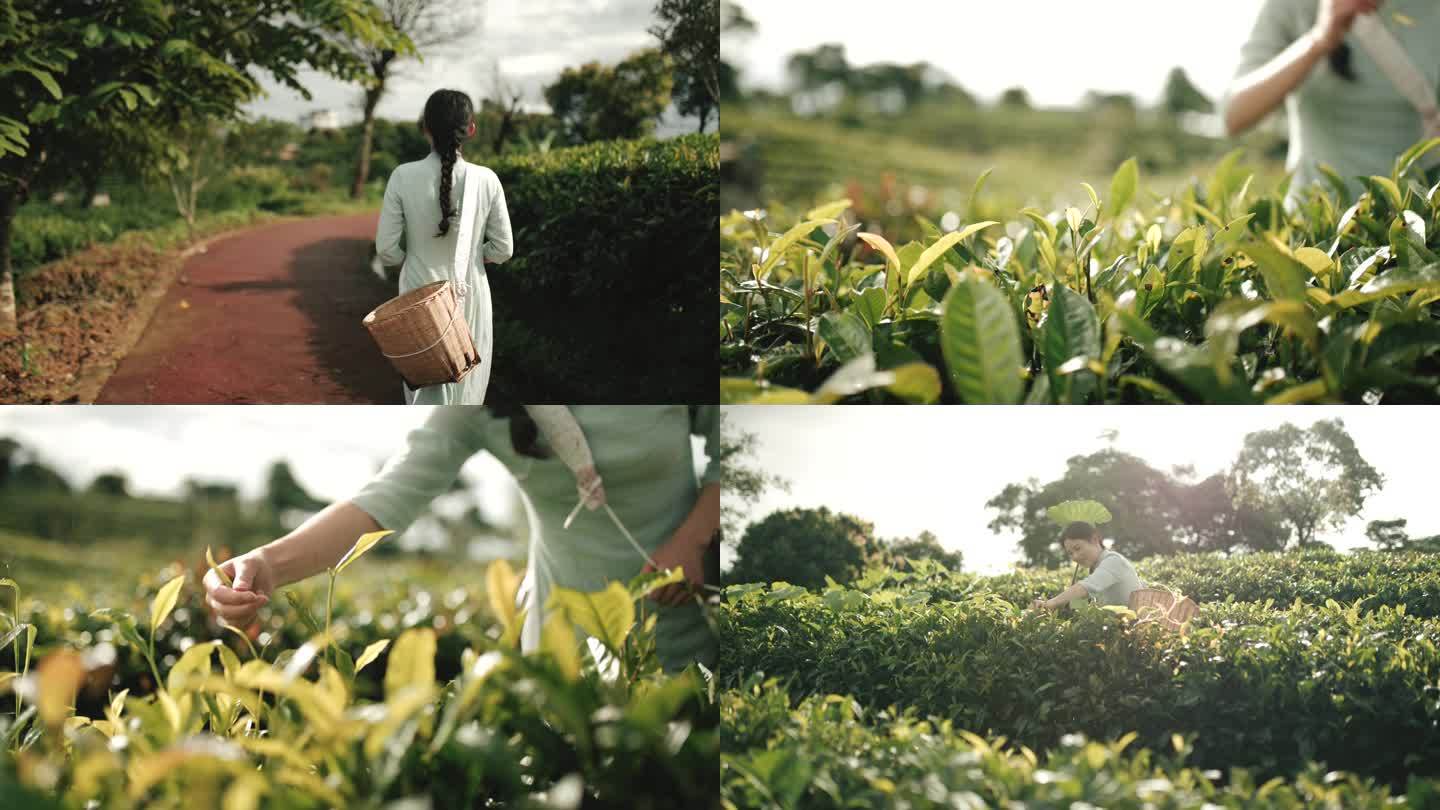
[(333, 450), (531, 40), (1055, 50), (913, 469)]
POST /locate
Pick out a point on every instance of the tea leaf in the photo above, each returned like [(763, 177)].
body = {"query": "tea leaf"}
[(606, 615), (1122, 188), (501, 584), (981, 344), (779, 246), (412, 661), (557, 638), (224, 577), (165, 602), (364, 544), (371, 653), (60, 674), (939, 249)]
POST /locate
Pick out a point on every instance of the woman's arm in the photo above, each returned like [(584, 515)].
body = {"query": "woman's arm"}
[(1256, 93), (318, 543), (686, 547), (1070, 594), (499, 244), (391, 227)]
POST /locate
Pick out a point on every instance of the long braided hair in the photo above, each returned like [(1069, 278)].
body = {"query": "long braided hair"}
[(447, 118)]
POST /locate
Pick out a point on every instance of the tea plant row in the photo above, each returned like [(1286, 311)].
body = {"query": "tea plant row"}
[(1218, 293)]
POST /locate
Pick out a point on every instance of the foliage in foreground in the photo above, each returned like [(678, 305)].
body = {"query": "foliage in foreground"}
[(830, 752), (552, 729), (1214, 294), (1259, 687)]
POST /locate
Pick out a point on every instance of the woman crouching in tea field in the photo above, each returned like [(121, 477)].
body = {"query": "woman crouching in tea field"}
[(632, 465), (1112, 578)]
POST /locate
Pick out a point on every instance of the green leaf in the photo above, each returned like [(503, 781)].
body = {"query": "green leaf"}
[(739, 390), (1122, 187), (371, 653), (1088, 511), (828, 210), (938, 249), (1396, 281), (46, 80), (1285, 276), (165, 602), (779, 246), (981, 343), (605, 615), (366, 542), (195, 661), (557, 638), (214, 566), (412, 662), (917, 383), (1072, 329), (846, 334)]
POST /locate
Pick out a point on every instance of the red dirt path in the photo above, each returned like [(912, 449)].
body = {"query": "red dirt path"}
[(269, 315)]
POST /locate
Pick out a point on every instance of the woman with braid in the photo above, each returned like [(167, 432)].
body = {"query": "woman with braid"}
[(422, 204)]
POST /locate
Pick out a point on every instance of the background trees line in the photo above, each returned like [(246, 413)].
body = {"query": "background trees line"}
[(152, 88), (1285, 486), (37, 499)]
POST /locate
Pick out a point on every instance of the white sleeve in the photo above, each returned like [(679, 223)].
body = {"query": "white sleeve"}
[(392, 225), (499, 243)]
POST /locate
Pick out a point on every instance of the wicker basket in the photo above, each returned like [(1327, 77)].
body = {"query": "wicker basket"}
[(424, 335), (1151, 604)]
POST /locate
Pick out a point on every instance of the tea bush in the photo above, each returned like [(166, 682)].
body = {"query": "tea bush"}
[(613, 243), (830, 752), (329, 725), (1259, 687), (1313, 576), (1216, 293)]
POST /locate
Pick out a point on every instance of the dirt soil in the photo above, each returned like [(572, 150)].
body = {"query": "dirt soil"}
[(269, 315)]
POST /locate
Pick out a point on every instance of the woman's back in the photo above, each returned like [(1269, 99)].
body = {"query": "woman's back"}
[(1355, 126), (413, 197)]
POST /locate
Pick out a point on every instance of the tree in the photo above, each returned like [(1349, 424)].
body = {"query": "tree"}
[(1314, 479), (740, 484), (689, 33), (925, 546), (36, 476), (1154, 512), (430, 26), (811, 70), (1388, 534), (1181, 94), (802, 547), (733, 24), (595, 103), (147, 66), (1015, 97), (283, 491), (111, 483), (9, 458)]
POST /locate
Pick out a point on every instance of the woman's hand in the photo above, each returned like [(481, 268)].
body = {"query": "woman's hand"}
[(1334, 18), (678, 552), (254, 582), (1040, 604)]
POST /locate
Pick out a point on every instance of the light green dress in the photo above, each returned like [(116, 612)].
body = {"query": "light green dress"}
[(1113, 580), (1355, 127), (644, 455)]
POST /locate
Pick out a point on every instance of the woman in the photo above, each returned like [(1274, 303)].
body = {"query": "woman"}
[(642, 453), (1112, 579), (422, 201), (1344, 111)]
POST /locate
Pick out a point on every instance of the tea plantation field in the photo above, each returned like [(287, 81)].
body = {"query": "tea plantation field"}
[(422, 700), (1308, 680), (1211, 291)]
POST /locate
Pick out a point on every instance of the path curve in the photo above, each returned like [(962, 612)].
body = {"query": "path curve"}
[(269, 315)]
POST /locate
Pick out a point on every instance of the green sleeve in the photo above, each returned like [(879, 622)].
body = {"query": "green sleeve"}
[(705, 421), (1279, 23), (426, 468)]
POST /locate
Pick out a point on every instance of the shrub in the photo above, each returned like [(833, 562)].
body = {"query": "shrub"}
[(1257, 687), (613, 245)]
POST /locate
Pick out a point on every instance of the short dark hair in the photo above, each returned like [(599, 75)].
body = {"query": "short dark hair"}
[(1079, 530)]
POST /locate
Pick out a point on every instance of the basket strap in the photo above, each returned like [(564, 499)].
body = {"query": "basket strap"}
[(454, 316), (461, 266)]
